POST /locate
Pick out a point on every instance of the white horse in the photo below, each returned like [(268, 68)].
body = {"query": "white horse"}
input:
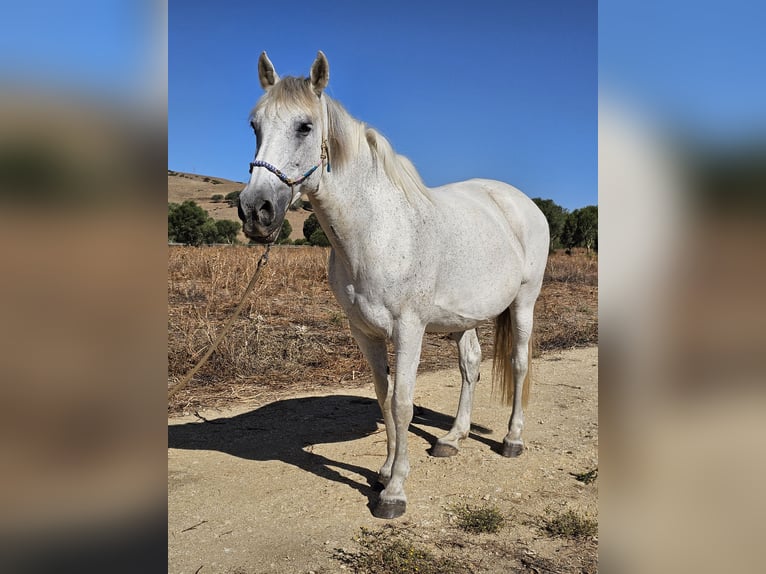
[(405, 259)]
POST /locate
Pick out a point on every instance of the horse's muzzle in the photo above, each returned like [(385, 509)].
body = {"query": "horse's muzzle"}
[(259, 223)]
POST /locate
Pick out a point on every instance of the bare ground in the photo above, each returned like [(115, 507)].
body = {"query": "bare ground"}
[(281, 486)]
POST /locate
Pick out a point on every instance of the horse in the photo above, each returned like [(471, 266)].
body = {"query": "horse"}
[(405, 259)]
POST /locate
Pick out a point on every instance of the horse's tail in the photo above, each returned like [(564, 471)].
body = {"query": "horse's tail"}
[(502, 369)]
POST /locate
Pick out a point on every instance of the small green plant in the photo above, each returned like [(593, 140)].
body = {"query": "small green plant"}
[(337, 318), (217, 198), (477, 520), (389, 550), (569, 524), (586, 477)]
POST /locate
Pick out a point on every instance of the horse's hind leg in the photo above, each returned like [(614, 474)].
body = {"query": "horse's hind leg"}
[(376, 353), (522, 315), (469, 355)]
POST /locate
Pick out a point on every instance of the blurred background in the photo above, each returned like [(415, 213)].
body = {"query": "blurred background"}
[(83, 159), (682, 327), (82, 290)]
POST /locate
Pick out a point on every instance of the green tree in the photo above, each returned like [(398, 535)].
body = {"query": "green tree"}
[(556, 216), (581, 228), (185, 222), (314, 233), (227, 231), (284, 233), (190, 224), (319, 238), (309, 226), (209, 232)]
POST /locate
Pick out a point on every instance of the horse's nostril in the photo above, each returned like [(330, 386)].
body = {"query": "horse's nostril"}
[(265, 213)]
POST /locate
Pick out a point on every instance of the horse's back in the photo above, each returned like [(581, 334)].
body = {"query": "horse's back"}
[(494, 208)]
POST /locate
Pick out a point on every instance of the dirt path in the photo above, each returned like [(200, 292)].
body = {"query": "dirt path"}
[(278, 487)]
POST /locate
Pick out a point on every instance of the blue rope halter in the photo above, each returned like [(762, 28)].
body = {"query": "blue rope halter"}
[(286, 180)]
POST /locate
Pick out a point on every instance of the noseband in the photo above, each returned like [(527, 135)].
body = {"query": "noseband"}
[(286, 180)]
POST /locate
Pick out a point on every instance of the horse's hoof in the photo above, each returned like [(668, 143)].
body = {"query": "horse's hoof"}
[(512, 449), (441, 449), (389, 510)]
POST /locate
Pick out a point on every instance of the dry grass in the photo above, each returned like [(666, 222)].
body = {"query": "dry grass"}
[(569, 524), (566, 314), (293, 335), (478, 519), (393, 550)]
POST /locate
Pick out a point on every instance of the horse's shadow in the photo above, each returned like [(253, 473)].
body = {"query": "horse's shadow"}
[(286, 430)]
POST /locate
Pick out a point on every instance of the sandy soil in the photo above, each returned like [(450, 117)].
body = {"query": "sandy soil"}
[(277, 487)]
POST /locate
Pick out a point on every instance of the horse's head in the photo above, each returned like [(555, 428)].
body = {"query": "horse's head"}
[(290, 125)]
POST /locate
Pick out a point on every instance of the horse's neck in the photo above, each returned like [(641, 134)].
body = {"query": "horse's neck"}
[(362, 212)]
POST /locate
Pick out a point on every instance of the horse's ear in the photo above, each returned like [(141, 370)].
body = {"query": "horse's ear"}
[(320, 73), (266, 72)]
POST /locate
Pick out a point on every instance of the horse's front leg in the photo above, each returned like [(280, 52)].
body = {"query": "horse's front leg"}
[(408, 340), (376, 353)]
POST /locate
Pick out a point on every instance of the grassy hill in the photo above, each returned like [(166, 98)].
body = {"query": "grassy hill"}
[(201, 188)]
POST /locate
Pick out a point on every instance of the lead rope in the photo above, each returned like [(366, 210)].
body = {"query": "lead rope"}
[(226, 328)]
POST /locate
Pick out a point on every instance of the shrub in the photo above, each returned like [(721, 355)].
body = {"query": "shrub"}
[(227, 231), (217, 198), (314, 233), (477, 520), (185, 222), (284, 234), (570, 524), (388, 550), (232, 198), (319, 239), (309, 226), (190, 224)]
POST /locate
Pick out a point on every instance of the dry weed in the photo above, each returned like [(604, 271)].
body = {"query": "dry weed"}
[(293, 335)]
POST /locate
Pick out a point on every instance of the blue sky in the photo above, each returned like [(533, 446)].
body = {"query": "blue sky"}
[(694, 67), (503, 90), (494, 89), (105, 48)]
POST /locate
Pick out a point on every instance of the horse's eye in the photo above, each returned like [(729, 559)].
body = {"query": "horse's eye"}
[(304, 128)]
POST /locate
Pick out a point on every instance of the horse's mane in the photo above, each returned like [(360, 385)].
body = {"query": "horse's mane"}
[(348, 136)]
